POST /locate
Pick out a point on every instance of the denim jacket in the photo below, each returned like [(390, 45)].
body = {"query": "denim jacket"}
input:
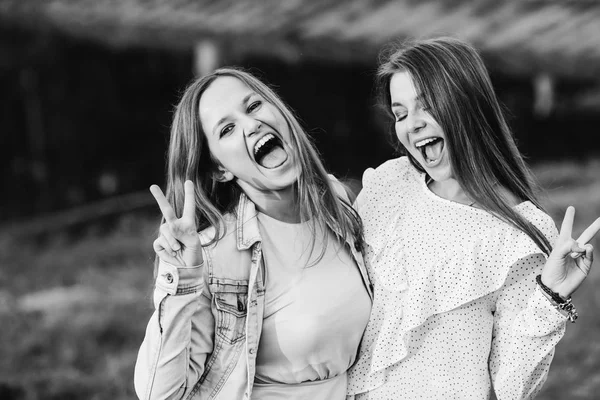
[(202, 339)]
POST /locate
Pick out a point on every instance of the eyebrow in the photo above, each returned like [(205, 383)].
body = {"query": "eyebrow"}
[(244, 101), (419, 98)]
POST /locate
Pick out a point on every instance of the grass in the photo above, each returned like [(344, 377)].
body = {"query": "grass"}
[(74, 305), (74, 310), (575, 371)]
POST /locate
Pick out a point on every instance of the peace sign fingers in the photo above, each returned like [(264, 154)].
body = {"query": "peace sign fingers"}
[(163, 204), (585, 256), (566, 228), (583, 239), (189, 204), (589, 233), (571, 260), (178, 242)]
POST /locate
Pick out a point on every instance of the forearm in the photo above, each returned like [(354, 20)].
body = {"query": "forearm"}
[(522, 353), (167, 366), (526, 330)]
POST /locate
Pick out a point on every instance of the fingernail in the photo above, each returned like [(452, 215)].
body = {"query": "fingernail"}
[(575, 255)]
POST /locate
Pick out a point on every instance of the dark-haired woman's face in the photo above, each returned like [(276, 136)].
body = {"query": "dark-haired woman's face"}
[(248, 136), (417, 130)]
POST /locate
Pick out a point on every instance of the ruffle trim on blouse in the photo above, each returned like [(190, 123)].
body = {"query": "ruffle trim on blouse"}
[(378, 184), (412, 298)]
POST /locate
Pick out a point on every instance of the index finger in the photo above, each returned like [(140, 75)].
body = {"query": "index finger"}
[(165, 207), (589, 233), (566, 228), (189, 204)]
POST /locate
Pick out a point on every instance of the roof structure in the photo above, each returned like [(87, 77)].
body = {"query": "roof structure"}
[(526, 37)]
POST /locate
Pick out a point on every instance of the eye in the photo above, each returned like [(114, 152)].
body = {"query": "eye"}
[(255, 105), (399, 117), (226, 129)]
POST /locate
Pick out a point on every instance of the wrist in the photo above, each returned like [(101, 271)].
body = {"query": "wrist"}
[(562, 304), (193, 256), (559, 288)]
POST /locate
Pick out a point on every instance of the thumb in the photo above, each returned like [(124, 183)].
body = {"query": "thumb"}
[(584, 262), (166, 257), (576, 250)]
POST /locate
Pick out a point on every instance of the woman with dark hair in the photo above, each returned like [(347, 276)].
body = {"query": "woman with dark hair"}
[(271, 298), (457, 242)]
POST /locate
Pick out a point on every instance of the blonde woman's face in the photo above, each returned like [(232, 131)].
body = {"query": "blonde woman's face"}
[(248, 136), (417, 130)]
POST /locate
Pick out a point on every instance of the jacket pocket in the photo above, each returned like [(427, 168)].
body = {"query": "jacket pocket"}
[(231, 316)]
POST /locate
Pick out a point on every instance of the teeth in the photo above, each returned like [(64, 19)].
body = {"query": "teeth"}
[(262, 141), (424, 142)]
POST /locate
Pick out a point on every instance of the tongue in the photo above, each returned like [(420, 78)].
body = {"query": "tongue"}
[(434, 150), (274, 158)]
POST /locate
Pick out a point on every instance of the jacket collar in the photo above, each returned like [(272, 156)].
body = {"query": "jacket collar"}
[(248, 234), (246, 223)]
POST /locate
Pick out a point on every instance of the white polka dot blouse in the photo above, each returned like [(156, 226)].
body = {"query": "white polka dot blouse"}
[(457, 313)]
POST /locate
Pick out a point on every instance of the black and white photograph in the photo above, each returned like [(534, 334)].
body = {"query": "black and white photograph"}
[(300, 199)]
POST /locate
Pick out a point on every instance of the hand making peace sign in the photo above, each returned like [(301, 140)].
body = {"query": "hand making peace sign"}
[(178, 243), (570, 260)]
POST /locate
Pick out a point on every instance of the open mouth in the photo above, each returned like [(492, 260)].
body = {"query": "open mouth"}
[(431, 149), (269, 152)]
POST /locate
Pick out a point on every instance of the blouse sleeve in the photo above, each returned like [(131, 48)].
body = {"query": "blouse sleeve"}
[(362, 197), (179, 336), (526, 329)]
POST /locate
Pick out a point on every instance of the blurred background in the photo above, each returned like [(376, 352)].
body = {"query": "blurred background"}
[(87, 88)]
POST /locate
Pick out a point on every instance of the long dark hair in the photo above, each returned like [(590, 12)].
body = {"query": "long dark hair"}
[(457, 90), (189, 158)]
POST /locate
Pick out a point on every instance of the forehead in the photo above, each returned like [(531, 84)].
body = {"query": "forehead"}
[(402, 88), (224, 94)]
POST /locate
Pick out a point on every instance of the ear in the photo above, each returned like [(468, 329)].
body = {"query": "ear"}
[(222, 175)]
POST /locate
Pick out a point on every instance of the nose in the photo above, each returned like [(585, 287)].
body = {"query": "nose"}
[(251, 126), (416, 123)]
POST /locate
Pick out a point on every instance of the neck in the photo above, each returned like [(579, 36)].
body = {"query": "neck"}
[(281, 205), (450, 189)]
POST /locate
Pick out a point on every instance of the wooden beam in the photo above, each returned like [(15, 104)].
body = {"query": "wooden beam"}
[(515, 32)]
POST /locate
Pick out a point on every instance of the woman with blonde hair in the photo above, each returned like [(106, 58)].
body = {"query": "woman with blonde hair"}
[(271, 298)]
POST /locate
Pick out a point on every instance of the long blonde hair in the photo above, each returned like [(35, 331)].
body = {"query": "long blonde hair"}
[(189, 158)]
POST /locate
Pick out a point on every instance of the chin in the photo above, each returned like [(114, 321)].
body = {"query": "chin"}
[(283, 181), (440, 173)]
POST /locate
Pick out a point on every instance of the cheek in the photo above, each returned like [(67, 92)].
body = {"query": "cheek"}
[(229, 151), (401, 135), (273, 117)]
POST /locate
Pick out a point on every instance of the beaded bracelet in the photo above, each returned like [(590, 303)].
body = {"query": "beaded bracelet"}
[(564, 306)]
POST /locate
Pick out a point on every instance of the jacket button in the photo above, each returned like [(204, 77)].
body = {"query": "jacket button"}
[(251, 351), (169, 278)]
